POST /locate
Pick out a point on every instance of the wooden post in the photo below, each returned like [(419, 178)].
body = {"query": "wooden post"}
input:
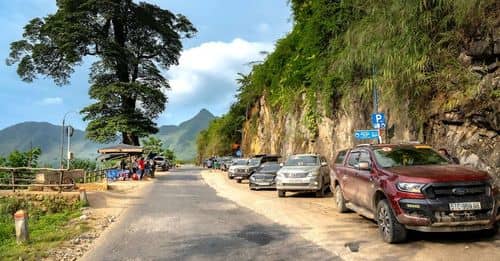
[(13, 180), (83, 197), (61, 180), (85, 177), (21, 224)]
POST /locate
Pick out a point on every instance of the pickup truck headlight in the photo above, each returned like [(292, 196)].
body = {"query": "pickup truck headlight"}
[(252, 178), (410, 187)]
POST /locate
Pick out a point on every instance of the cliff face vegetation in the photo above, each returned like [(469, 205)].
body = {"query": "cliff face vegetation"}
[(434, 64)]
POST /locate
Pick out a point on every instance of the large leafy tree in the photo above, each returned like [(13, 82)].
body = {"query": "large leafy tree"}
[(130, 43)]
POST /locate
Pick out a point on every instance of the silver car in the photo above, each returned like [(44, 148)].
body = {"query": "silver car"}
[(303, 173), (238, 166)]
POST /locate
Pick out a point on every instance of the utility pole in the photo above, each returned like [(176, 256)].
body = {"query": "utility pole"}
[(62, 142), (69, 141), (375, 94), (62, 138), (375, 102)]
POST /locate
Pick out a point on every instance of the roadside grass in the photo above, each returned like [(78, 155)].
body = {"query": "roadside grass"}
[(46, 231)]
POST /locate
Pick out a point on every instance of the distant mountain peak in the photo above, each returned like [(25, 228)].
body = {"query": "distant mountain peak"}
[(182, 138), (204, 112)]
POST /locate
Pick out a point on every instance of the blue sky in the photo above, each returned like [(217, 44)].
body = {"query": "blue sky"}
[(231, 33)]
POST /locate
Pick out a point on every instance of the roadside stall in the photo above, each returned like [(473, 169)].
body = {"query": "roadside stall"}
[(124, 170)]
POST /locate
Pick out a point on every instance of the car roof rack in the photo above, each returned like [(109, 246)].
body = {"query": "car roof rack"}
[(411, 142)]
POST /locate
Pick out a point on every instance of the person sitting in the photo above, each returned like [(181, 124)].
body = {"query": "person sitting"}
[(444, 152)]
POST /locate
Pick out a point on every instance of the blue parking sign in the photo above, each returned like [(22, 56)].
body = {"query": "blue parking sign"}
[(378, 120), (366, 134)]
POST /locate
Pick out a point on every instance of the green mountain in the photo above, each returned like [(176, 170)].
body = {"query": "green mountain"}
[(22, 136), (182, 138), (46, 136)]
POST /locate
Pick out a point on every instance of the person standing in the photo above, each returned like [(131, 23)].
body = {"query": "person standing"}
[(153, 167), (142, 167), (123, 165)]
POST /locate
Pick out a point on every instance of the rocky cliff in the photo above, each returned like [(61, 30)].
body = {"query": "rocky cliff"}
[(470, 131)]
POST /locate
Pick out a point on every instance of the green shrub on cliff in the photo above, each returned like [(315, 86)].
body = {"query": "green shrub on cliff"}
[(339, 49)]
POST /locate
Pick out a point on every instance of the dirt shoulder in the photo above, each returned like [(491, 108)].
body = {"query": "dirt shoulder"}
[(106, 208), (317, 221)]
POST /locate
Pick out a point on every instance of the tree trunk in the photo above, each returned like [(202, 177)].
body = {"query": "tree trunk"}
[(122, 72), (130, 139)]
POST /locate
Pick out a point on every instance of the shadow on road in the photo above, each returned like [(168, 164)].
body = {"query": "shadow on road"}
[(251, 242)]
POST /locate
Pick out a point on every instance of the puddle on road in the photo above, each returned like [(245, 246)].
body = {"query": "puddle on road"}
[(258, 237)]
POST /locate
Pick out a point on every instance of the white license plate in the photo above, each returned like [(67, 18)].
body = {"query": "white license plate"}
[(263, 183), (465, 206), (297, 181)]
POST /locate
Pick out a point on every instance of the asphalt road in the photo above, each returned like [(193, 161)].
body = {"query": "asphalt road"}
[(182, 218)]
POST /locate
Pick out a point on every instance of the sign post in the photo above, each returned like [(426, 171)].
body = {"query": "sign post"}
[(378, 122)]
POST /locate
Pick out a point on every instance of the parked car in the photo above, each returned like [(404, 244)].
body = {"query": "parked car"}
[(265, 176), (412, 187), (162, 163), (254, 164), (237, 166), (226, 162), (303, 173)]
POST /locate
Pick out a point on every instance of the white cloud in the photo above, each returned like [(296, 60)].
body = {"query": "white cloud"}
[(206, 75), (51, 101)]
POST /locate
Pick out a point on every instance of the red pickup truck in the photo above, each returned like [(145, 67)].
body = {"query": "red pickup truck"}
[(408, 186)]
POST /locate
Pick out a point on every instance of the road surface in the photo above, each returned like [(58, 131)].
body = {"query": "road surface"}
[(180, 217), (317, 220)]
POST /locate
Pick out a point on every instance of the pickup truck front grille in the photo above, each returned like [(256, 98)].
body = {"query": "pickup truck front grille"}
[(438, 190)]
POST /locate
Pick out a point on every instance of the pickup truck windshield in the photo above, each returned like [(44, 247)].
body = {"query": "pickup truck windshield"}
[(302, 161), (396, 157), (254, 162), (240, 162)]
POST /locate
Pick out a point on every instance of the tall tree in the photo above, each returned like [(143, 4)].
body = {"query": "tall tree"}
[(130, 42)]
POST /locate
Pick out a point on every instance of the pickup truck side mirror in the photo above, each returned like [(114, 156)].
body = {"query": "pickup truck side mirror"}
[(364, 165)]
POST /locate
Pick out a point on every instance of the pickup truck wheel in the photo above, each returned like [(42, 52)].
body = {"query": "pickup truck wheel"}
[(238, 181), (390, 229), (230, 177), (339, 200), (491, 232), (281, 193)]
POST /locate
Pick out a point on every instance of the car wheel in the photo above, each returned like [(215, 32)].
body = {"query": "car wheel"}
[(389, 228), (281, 193), (238, 180), (491, 232), (339, 200)]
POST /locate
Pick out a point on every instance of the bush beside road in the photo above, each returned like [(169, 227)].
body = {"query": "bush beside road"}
[(349, 235)]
